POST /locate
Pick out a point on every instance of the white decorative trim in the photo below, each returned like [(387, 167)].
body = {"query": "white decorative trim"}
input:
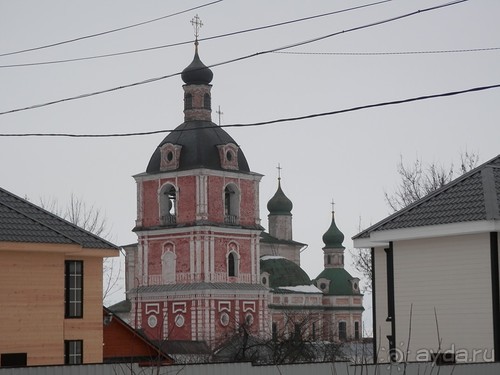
[(179, 320), (152, 308), (383, 237), (249, 306), (224, 319), (224, 306), (251, 176), (169, 156), (179, 307), (228, 155), (152, 321)]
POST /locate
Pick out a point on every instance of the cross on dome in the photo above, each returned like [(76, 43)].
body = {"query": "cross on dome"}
[(197, 24)]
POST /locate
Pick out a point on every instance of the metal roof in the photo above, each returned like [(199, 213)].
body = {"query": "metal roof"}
[(283, 272), (199, 140), (474, 196), (22, 221)]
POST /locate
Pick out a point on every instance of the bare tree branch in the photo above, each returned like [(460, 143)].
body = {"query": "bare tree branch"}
[(416, 181), (94, 221)]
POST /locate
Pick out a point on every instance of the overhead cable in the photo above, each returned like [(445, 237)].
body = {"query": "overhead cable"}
[(280, 120), (191, 41), (389, 53), (106, 32), (150, 80)]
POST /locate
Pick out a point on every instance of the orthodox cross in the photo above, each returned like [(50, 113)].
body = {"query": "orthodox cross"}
[(219, 112), (279, 171), (197, 24)]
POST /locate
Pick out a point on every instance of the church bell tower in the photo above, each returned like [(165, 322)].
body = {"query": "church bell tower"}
[(196, 266)]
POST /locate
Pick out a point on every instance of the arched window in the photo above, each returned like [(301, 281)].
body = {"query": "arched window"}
[(231, 264), (207, 102), (168, 205), (188, 101), (168, 260), (231, 204)]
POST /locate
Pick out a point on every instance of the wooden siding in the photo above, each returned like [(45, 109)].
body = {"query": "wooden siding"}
[(32, 307)]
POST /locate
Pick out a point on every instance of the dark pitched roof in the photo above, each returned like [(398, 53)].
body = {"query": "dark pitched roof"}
[(475, 196), (22, 221), (199, 140)]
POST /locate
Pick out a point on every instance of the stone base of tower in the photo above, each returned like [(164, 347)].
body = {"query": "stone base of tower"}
[(210, 312)]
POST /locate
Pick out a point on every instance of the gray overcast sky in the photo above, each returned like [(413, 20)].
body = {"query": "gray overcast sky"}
[(350, 157)]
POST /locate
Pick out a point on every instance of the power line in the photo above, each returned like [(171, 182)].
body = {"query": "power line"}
[(389, 53), (259, 28), (281, 120), (106, 32), (150, 80)]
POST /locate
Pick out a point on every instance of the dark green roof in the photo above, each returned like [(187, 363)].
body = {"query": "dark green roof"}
[(283, 272), (279, 204), (340, 284), (333, 237)]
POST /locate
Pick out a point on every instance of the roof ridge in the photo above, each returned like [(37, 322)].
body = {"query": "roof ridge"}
[(54, 216), (429, 196)]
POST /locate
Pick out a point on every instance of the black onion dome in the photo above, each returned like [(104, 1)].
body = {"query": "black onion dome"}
[(333, 237), (199, 141), (279, 204), (197, 72)]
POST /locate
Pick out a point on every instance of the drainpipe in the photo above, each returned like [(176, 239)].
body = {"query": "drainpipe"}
[(390, 301)]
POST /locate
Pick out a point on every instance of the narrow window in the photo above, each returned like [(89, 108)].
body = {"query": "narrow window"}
[(356, 330), (342, 331), (73, 352), (231, 265), (227, 201), (314, 331), (188, 101), (206, 101), (275, 331), (73, 285)]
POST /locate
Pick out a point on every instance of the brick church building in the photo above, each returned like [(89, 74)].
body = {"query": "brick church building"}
[(203, 266)]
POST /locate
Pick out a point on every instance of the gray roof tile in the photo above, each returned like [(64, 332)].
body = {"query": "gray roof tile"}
[(474, 196), (22, 221)]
